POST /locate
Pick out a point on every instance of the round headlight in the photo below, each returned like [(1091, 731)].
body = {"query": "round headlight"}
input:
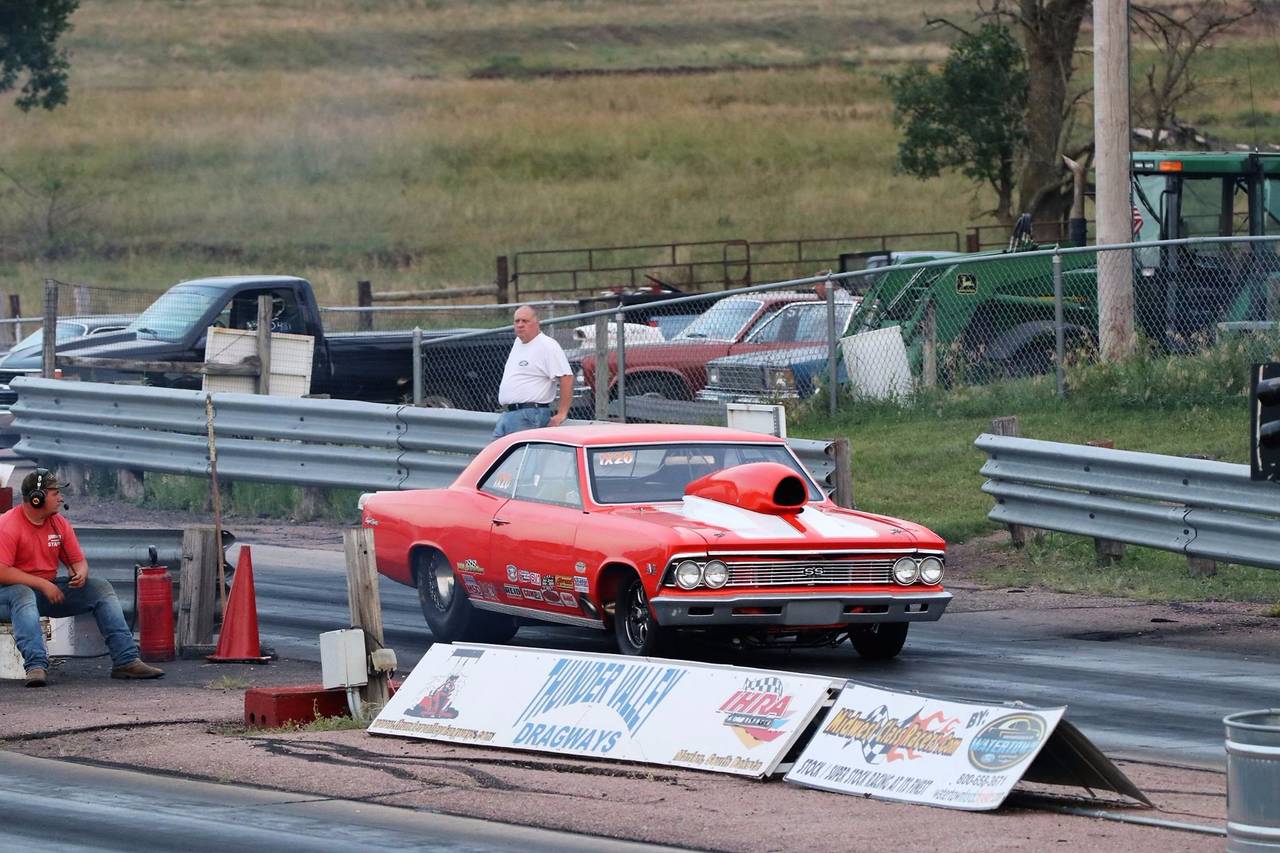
[(905, 571), (715, 574), (688, 574), (930, 570)]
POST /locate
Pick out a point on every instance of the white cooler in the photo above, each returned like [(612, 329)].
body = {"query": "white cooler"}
[(69, 637)]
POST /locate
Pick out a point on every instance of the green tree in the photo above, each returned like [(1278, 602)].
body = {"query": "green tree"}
[(29, 33), (967, 116)]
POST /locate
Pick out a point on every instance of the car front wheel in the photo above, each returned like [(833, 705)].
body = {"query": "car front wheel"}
[(633, 624), (880, 641)]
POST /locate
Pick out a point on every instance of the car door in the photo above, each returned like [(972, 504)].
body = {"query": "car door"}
[(468, 546), (533, 533)]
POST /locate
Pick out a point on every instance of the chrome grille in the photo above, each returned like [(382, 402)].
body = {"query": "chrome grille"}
[(741, 377), (810, 572)]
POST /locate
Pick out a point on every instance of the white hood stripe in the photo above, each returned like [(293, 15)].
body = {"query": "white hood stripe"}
[(763, 525)]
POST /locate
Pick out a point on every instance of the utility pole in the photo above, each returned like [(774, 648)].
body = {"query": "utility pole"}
[(1113, 203)]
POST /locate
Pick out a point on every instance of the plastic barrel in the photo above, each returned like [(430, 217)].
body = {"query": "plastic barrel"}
[(1253, 781)]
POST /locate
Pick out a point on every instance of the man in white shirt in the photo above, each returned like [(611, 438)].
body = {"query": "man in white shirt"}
[(529, 380)]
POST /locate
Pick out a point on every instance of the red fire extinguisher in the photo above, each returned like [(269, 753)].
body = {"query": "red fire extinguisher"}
[(154, 599)]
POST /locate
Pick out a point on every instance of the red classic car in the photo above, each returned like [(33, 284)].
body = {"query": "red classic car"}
[(652, 530), (746, 323)]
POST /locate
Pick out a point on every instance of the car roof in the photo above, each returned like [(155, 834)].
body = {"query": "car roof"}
[(596, 435)]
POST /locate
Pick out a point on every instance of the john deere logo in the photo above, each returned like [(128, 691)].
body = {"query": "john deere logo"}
[(966, 283)]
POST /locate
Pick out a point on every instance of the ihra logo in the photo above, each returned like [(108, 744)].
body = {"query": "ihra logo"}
[(758, 713), (1006, 741)]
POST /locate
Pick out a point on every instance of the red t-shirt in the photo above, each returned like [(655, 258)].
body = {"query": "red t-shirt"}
[(37, 548)]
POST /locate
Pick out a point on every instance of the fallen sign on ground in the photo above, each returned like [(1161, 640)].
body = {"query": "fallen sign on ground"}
[(724, 719), (920, 749)]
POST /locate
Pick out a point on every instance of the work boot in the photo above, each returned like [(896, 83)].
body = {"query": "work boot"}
[(37, 677), (137, 669)]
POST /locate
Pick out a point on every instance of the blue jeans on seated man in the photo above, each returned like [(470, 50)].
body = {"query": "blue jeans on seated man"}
[(23, 606), (520, 419)]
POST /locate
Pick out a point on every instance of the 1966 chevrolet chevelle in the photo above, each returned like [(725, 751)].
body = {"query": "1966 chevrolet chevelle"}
[(650, 531)]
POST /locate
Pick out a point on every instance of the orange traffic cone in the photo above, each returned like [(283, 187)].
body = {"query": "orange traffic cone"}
[(238, 642)]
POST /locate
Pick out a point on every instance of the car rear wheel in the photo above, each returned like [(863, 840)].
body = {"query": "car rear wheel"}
[(880, 641), (447, 608), (633, 624)]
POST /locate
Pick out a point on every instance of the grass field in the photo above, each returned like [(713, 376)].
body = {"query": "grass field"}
[(359, 140)]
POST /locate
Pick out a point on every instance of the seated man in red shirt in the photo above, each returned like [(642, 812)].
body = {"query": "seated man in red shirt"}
[(33, 540)]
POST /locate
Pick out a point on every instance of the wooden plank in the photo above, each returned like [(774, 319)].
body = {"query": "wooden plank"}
[(249, 366), (49, 359), (365, 605), (1008, 425), (201, 556), (442, 293), (263, 343), (842, 458)]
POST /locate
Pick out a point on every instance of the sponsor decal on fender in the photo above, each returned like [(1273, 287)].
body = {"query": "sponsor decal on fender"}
[(563, 582), (1004, 742), (512, 573), (472, 585), (490, 591), (581, 585), (548, 583), (470, 565), (885, 739), (511, 590), (532, 594), (758, 712), (580, 567), (530, 577), (568, 599)]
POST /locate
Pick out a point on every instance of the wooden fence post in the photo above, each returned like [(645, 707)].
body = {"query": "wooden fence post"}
[(129, 484), (842, 479), (1008, 425), (50, 340), (364, 299), (502, 281), (1108, 551), (201, 557), (263, 348), (366, 606), (602, 368)]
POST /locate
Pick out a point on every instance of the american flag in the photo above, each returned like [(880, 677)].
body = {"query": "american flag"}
[(1137, 219)]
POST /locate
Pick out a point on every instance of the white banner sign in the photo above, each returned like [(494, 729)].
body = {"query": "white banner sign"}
[(719, 718), (902, 746)]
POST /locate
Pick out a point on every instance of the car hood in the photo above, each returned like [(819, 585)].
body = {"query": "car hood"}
[(102, 346), (773, 357), (727, 527)]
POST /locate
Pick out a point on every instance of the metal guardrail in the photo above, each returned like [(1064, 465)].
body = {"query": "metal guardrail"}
[(114, 552), (1200, 508), (296, 441)]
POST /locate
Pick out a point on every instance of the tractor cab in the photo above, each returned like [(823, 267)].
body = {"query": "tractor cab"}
[(1183, 293)]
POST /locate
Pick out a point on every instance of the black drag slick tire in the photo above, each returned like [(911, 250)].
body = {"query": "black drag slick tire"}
[(633, 624), (448, 610), (880, 641), (443, 599)]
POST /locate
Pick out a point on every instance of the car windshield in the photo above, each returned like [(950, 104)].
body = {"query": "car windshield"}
[(66, 331), (171, 316), (659, 473), (723, 321), (801, 323)]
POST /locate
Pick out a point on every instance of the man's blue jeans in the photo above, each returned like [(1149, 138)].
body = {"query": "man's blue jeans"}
[(23, 606), (522, 419)]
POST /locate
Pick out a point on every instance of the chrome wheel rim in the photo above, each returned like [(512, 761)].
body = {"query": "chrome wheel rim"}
[(444, 584), (637, 617)]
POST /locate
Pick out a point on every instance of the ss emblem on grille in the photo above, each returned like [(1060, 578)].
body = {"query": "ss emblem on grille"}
[(812, 571)]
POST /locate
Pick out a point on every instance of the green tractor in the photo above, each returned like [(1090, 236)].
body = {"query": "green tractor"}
[(991, 314)]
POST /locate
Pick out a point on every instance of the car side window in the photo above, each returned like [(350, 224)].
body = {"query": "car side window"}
[(502, 480), (550, 475)]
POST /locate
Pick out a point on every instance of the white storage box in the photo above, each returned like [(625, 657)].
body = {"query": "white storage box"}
[(75, 637), (290, 361), (10, 658)]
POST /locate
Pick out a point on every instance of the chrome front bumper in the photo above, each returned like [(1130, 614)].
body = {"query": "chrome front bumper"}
[(799, 610)]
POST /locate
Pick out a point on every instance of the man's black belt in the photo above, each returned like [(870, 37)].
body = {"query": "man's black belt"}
[(515, 407)]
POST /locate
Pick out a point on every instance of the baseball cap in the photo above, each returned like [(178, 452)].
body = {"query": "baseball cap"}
[(41, 478)]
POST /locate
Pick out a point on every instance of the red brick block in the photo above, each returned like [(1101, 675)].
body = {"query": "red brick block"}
[(271, 707)]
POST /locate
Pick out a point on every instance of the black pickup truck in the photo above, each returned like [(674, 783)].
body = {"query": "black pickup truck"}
[(371, 366)]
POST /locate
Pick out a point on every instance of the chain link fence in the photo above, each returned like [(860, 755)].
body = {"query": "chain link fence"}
[(912, 320)]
